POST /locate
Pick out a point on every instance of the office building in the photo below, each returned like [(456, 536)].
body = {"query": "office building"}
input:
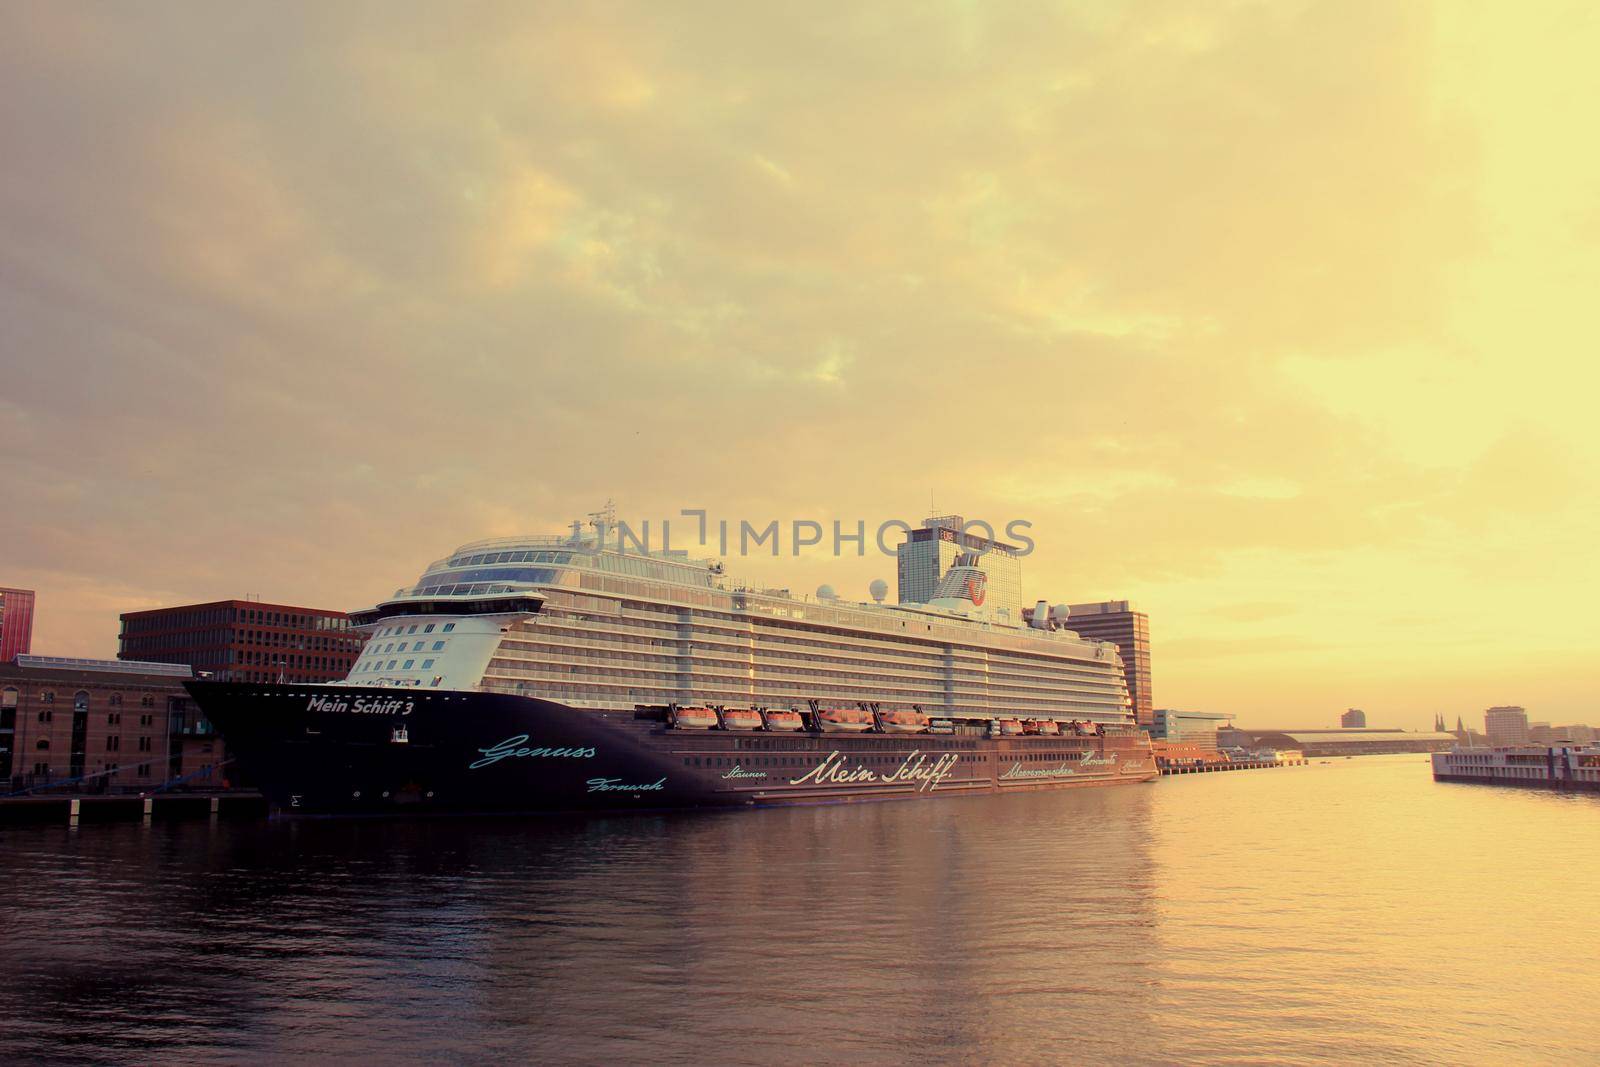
[(244, 640), (1354, 719), (97, 726), (16, 623), (925, 555), (1506, 725), (1129, 630), (1194, 728)]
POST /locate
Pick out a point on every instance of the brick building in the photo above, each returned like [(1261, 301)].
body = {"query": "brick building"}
[(16, 623), (244, 640), (106, 725)]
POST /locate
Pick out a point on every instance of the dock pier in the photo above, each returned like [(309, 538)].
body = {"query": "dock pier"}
[(1169, 767), (134, 807)]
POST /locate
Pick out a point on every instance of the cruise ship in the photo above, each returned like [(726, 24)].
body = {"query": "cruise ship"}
[(553, 673)]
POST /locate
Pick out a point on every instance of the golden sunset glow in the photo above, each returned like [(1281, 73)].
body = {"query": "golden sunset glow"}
[(1279, 320)]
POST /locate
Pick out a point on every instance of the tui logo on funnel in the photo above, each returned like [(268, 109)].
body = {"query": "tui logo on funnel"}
[(964, 587)]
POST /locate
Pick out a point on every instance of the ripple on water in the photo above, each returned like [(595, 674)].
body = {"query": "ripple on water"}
[(1356, 911)]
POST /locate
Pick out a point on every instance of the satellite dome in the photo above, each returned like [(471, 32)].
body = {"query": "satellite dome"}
[(825, 592), (1060, 613), (879, 589)]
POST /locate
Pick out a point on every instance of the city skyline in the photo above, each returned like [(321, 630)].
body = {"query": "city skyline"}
[(1310, 718), (293, 303)]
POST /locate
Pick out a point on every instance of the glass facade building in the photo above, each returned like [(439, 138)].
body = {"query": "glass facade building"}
[(1198, 728), (16, 623), (1129, 630)]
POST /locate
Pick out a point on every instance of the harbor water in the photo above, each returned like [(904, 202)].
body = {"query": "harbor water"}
[(1349, 910)]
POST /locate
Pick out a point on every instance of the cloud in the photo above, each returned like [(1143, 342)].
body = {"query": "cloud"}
[(1237, 305)]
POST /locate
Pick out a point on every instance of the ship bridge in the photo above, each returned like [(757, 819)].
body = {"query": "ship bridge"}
[(482, 590)]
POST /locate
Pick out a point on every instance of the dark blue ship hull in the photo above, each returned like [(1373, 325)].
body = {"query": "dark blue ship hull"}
[(332, 750)]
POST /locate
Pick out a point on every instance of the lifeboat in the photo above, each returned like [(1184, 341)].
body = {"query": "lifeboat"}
[(844, 720), (694, 718), (785, 720), (741, 719), (1046, 728), (902, 722), (1011, 727)]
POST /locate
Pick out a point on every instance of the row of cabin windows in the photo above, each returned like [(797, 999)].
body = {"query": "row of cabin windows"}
[(378, 665), (793, 761), (396, 631), (438, 646)]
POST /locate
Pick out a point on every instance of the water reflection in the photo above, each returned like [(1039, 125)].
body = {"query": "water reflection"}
[(1295, 915)]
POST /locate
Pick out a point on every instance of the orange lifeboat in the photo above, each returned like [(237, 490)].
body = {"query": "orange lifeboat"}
[(785, 720), (902, 722), (694, 718), (844, 720), (1046, 728), (741, 719), (1011, 727)]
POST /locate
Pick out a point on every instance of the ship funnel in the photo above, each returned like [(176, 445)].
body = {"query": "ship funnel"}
[(1040, 619), (964, 587)]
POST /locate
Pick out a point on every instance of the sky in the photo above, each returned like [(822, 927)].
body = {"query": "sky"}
[(1277, 319)]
